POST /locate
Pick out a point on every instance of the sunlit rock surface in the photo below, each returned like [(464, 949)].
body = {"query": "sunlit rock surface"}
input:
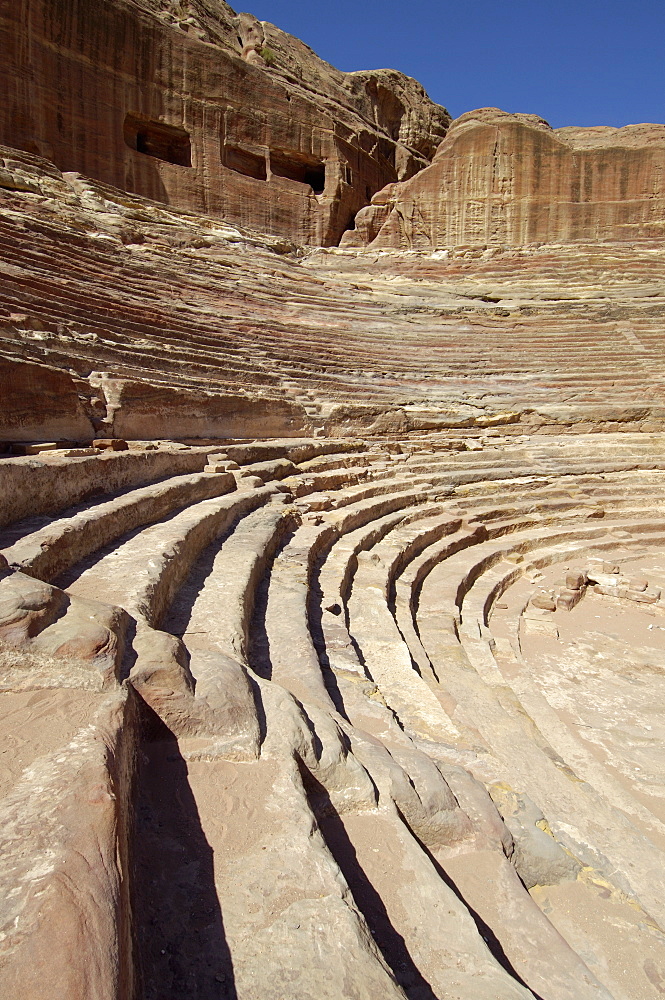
[(196, 106), (332, 583), (501, 178)]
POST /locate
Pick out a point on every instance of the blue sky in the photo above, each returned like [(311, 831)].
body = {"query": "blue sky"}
[(573, 63)]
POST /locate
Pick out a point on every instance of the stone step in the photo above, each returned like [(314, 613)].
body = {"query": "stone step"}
[(143, 572), (213, 609), (53, 549), (381, 646), (47, 485)]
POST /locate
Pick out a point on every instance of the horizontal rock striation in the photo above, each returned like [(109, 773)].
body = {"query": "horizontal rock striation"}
[(501, 178), (158, 323), (331, 581), (195, 106)]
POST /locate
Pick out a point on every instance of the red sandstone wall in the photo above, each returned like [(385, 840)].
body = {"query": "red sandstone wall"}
[(73, 69), (510, 179)]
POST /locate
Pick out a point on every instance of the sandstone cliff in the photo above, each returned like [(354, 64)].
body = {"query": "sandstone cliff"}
[(120, 317), (195, 106), (330, 580), (501, 178)]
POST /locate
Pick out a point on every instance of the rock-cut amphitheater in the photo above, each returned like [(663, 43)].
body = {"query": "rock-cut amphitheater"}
[(332, 527)]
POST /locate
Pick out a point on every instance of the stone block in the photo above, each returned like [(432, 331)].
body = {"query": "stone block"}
[(544, 602), (110, 444), (541, 625), (216, 467), (603, 566), (604, 579), (36, 449), (650, 595), (575, 579), (568, 599), (249, 482)]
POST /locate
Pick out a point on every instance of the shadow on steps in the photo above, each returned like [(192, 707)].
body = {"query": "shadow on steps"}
[(388, 940), (180, 946), (258, 653), (485, 931)]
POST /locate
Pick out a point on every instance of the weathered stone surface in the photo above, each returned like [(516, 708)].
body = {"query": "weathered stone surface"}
[(260, 742), (39, 401), (567, 599), (210, 111), (348, 753), (65, 913), (545, 602), (501, 178), (576, 580), (49, 638), (143, 411), (31, 487), (50, 551), (538, 858), (251, 330)]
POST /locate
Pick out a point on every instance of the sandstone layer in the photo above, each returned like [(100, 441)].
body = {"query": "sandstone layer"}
[(355, 689), (161, 323), (195, 106), (332, 596), (501, 178)]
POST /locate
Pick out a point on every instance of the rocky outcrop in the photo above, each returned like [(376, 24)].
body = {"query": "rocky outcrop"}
[(509, 179), (157, 323), (195, 106), (330, 580), (40, 402)]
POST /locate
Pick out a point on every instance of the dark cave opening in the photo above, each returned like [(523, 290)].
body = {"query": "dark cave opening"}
[(165, 142), (298, 167)]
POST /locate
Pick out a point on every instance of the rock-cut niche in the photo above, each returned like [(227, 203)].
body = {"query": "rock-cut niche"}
[(294, 165), (299, 167), (245, 162), (164, 142)]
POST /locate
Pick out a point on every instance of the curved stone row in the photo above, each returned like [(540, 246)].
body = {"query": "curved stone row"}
[(298, 642), (159, 323)]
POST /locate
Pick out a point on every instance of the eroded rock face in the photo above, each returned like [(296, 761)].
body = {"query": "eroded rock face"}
[(161, 323), (501, 178), (38, 400), (330, 581), (198, 107), (144, 411)]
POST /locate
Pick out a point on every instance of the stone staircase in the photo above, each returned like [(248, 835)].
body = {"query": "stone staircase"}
[(297, 719), (537, 338)]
